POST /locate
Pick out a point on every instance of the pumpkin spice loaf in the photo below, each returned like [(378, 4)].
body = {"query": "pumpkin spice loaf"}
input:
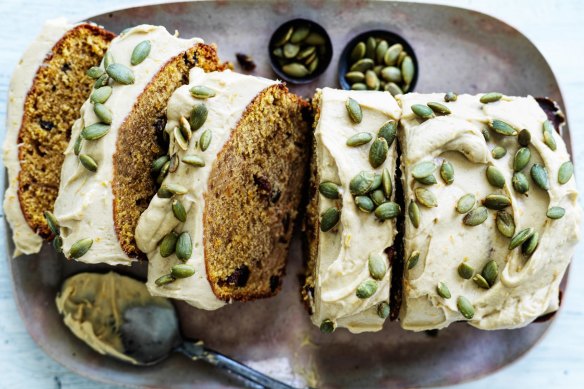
[(106, 180), (220, 226), (48, 87)]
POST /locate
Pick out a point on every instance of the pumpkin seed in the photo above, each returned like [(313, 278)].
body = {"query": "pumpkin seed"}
[(164, 280), (362, 65), (414, 214), (465, 271), (438, 108), (329, 219), (556, 212), (313, 65), (194, 160), (378, 152), (364, 204), (392, 53), (497, 202), (371, 80), (103, 113), (179, 210), (476, 217), (465, 307), (163, 193), (376, 182), (378, 197), (547, 126), (140, 52), (490, 97), (521, 159), (447, 172), (108, 59), (490, 272), (205, 140), (387, 210), (175, 189), (391, 74), (184, 246), (426, 197), (95, 131), (524, 138), (498, 152), (95, 72), (358, 86), (371, 45), (480, 281), (466, 203), (486, 134), (120, 73), (443, 290), (58, 244), (565, 172), (377, 266), (520, 183), (278, 52), (521, 237), (52, 223), (358, 52), (198, 116), (423, 169), (284, 37), (180, 139), (359, 139), (315, 38), (174, 161), (366, 289), (430, 180), (548, 135), (407, 68), (393, 88), (202, 92), (100, 95), (413, 259), (306, 52), (383, 310), (80, 248), (528, 248), (77, 145), (386, 183), (450, 96), (422, 111), (158, 163), (290, 50), (354, 110), (327, 326), (503, 128), (495, 177), (362, 183), (295, 70), (168, 244), (540, 176), (101, 81), (353, 77), (330, 190), (182, 270), (388, 131), (380, 51), (505, 224), (88, 162), (300, 33)]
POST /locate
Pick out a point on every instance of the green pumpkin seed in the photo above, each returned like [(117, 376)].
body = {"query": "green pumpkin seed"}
[(312, 65), (388, 131), (565, 173), (387, 210), (362, 65), (476, 217), (386, 184), (366, 289), (175, 189), (371, 80), (358, 52), (490, 272), (52, 223), (198, 116), (58, 244), (120, 73), (179, 211), (438, 108), (426, 197), (392, 53), (520, 182), (423, 111), (540, 176), (353, 77), (524, 138), (182, 270), (423, 169), (108, 59), (168, 244), (378, 197), (490, 97), (95, 131), (77, 145), (327, 326), (158, 163), (380, 50), (505, 224), (101, 81), (194, 160), (383, 310), (359, 139), (300, 33), (101, 95), (184, 246), (393, 88), (521, 159), (391, 74), (377, 179), (284, 37), (528, 248), (354, 110), (480, 281), (329, 219), (371, 45), (95, 72), (447, 172), (103, 113), (202, 92), (306, 52), (413, 259), (295, 70), (164, 280), (495, 177), (180, 139), (174, 161), (362, 183), (205, 140), (330, 190), (465, 307), (465, 271), (548, 135), (290, 50), (408, 70), (547, 126), (443, 290), (466, 203), (378, 152), (414, 214), (88, 162), (556, 212), (521, 237), (503, 128), (430, 180), (497, 202), (315, 38), (140, 52), (450, 96), (498, 152), (364, 204), (185, 128), (358, 86), (163, 193), (80, 248), (279, 53), (377, 266)]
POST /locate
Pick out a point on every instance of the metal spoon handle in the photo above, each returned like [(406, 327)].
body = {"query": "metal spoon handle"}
[(196, 351)]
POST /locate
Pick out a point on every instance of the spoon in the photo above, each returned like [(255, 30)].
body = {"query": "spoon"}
[(150, 334)]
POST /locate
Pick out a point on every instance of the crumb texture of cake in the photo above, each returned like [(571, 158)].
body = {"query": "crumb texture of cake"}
[(47, 90), (348, 273), (241, 175), (481, 180), (106, 179)]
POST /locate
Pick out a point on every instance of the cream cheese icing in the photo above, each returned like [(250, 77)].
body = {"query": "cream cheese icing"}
[(342, 259), (234, 92), (526, 287), (26, 240), (84, 206)]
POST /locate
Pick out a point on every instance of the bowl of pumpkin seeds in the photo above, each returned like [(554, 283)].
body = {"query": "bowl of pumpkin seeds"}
[(300, 51), (378, 60)]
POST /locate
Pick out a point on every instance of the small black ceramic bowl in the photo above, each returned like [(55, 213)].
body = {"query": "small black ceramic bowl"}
[(391, 38), (317, 37)]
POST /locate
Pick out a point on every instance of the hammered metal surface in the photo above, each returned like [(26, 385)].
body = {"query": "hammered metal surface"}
[(458, 50)]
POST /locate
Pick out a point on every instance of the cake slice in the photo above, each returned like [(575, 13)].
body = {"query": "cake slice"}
[(493, 218), (352, 210), (220, 226), (106, 180), (47, 90)]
